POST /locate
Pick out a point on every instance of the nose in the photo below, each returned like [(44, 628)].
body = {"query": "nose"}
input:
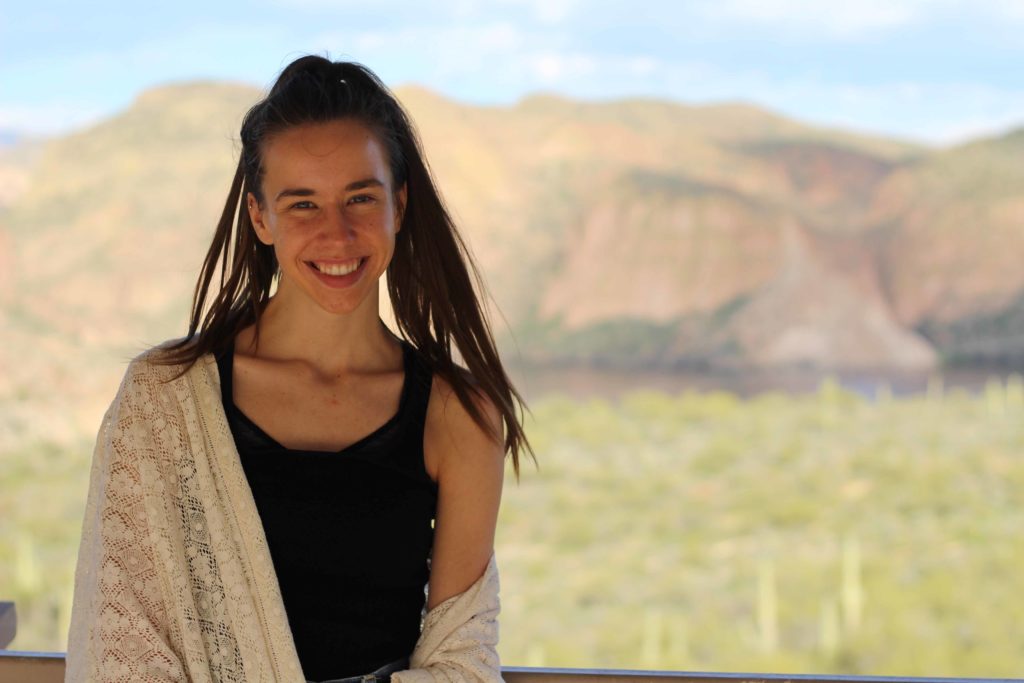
[(338, 225)]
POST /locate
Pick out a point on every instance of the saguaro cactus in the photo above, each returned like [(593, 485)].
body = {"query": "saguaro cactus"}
[(767, 607), (852, 586)]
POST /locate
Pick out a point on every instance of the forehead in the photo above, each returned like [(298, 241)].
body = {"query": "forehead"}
[(332, 153)]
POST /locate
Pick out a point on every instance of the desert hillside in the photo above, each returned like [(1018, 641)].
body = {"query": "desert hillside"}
[(632, 232)]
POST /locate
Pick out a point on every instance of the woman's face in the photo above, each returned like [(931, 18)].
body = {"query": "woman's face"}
[(329, 211)]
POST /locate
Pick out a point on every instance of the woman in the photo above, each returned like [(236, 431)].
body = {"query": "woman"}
[(271, 494)]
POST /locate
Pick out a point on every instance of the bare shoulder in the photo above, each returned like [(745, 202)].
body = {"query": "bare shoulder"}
[(452, 439), (467, 462)]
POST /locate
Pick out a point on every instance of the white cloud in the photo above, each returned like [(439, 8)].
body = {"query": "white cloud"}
[(933, 113), (496, 51), (548, 12), (836, 19), (466, 41), (1012, 10), (642, 65), (555, 68), (401, 12), (48, 119), (856, 20), (955, 132), (519, 61), (563, 69)]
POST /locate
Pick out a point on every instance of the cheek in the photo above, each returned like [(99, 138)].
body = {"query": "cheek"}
[(374, 227), (290, 235)]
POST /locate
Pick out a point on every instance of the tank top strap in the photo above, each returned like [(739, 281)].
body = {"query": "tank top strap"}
[(419, 377)]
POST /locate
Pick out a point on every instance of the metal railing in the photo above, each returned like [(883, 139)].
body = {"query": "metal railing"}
[(8, 623), (530, 675), (48, 667)]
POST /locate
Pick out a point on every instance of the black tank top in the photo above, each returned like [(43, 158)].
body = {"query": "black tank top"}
[(349, 532)]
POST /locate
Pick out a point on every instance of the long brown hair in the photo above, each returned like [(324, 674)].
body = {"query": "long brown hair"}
[(431, 276)]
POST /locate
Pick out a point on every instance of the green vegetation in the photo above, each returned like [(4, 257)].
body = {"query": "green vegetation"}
[(778, 534), (824, 533), (42, 498)]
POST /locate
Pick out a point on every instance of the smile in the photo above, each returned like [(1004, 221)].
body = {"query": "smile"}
[(336, 269), (338, 274)]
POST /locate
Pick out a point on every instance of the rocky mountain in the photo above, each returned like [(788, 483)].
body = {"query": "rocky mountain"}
[(633, 232), (950, 230)]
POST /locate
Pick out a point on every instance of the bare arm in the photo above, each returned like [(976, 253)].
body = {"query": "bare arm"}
[(460, 633), (470, 472)]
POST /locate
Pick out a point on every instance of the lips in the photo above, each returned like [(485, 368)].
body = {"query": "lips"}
[(337, 268), (338, 274)]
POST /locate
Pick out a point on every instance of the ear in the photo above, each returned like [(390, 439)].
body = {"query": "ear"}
[(400, 199), (256, 218)]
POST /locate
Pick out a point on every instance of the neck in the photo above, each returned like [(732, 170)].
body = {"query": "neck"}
[(294, 328)]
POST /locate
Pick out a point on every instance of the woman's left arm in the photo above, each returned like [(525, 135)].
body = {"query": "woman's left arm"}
[(470, 470), (460, 631)]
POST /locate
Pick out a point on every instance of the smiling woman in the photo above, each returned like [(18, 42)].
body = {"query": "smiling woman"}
[(333, 237), (289, 492)]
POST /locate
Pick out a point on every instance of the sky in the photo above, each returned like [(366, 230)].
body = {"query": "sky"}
[(933, 71)]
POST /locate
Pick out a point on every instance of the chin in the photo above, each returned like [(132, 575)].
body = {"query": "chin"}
[(342, 307)]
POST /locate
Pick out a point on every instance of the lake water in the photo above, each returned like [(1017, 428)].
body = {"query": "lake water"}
[(585, 383)]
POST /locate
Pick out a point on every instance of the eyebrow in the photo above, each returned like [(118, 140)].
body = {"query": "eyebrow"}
[(306, 192), (364, 183)]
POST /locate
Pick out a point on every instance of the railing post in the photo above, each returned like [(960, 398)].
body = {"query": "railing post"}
[(8, 624)]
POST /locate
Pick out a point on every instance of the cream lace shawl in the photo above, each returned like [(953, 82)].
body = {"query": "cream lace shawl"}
[(174, 580)]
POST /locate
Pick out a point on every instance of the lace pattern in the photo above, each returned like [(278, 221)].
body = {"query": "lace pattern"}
[(459, 637), (174, 580)]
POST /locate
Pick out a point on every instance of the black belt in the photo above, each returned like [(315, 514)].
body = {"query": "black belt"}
[(381, 675)]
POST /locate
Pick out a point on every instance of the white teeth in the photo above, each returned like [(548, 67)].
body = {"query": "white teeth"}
[(337, 268)]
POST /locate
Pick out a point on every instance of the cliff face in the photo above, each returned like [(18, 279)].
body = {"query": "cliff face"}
[(658, 248), (951, 228), (628, 232)]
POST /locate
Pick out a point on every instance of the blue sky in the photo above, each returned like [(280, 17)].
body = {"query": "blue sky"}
[(937, 71)]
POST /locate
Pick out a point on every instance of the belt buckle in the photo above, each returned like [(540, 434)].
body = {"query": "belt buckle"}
[(369, 678)]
